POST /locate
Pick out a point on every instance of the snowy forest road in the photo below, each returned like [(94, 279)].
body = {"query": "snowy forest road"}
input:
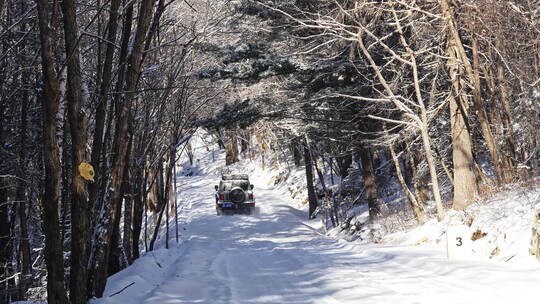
[(276, 257)]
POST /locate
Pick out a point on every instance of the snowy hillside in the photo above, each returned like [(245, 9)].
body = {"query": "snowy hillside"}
[(277, 256), (500, 229)]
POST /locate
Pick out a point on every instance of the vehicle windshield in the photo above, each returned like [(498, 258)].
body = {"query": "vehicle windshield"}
[(230, 184)]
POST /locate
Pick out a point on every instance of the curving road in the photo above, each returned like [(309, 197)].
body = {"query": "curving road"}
[(275, 257)]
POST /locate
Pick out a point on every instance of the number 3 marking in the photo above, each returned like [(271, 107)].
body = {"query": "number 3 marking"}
[(459, 241)]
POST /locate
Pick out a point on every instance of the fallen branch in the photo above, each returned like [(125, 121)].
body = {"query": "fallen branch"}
[(122, 289)]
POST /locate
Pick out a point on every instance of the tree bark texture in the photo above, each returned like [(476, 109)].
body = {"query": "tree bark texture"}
[(419, 184), (244, 141), (127, 238), (175, 204), (296, 153), (115, 256), (465, 186), (120, 149), (138, 208), (97, 143), (330, 207), (368, 174), (5, 237), (56, 293), (417, 208), (21, 198), (510, 139), (21, 170), (80, 233), (426, 143), (99, 193), (231, 148), (492, 145), (344, 163), (312, 197), (164, 198)]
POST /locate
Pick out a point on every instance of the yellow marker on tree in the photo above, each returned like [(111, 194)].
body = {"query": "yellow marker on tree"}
[(86, 171)]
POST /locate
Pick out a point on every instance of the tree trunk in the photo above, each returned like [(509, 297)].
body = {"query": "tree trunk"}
[(368, 174), (167, 205), (168, 189), (119, 160), (189, 151), (98, 194), (296, 153), (330, 165), (115, 252), (508, 158), (56, 293), (330, 207), (417, 208), (493, 107), (244, 141), (344, 163), (443, 165), (20, 193), (145, 204), (161, 210), (220, 141), (165, 190), (113, 265), (4, 209), (80, 236), (420, 188), (20, 196), (231, 148), (312, 197), (138, 212), (465, 186), (126, 195), (65, 194), (5, 238), (127, 239), (432, 172), (175, 205), (492, 145), (106, 73), (137, 190)]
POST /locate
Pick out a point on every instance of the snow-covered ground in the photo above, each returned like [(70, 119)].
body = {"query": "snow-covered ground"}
[(277, 256), (497, 229)]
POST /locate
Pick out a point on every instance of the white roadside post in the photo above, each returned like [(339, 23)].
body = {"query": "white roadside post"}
[(458, 242)]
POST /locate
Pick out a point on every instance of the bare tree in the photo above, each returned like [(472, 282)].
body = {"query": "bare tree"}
[(465, 186), (80, 239), (56, 292), (132, 75)]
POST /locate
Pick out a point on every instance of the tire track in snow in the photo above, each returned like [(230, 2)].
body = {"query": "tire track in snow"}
[(276, 257)]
